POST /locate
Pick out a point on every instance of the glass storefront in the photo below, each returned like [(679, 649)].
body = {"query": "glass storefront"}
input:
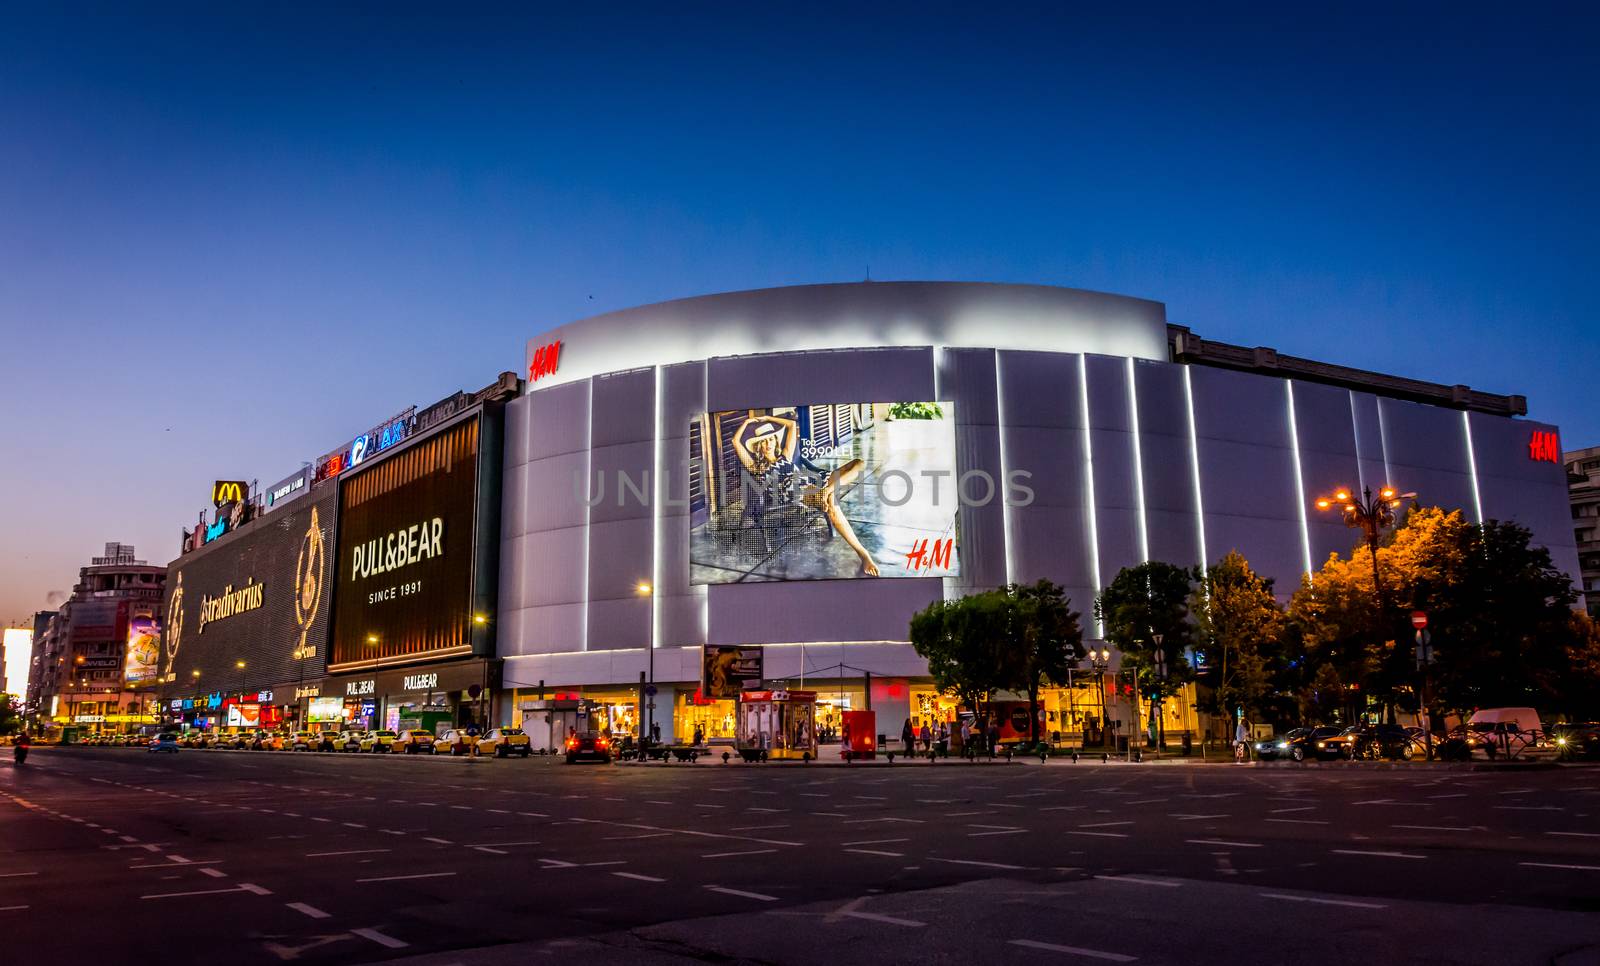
[(714, 718)]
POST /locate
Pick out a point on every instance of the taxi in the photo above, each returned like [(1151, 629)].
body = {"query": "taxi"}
[(378, 741), (415, 741), (348, 740), (504, 742), (304, 741), (456, 742)]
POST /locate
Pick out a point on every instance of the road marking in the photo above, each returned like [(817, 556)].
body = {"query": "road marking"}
[(429, 838), (533, 814), (1141, 880), (499, 811), (397, 878), (1104, 824), (1325, 902), (1074, 951), (558, 864), (11, 908), (875, 842), (1009, 831), (353, 825), (391, 831), (1439, 828), (1145, 801), (202, 892), (306, 910), (13, 875), (1298, 821), (491, 850), (729, 855), (318, 818), (1581, 835), (388, 942), (1530, 808), (1302, 808), (1192, 818), (1558, 865), (1452, 795), (324, 855), (892, 855), (741, 892), (214, 873), (877, 917), (1381, 855), (1241, 845), (635, 875), (1103, 835), (755, 828), (986, 865), (252, 887)]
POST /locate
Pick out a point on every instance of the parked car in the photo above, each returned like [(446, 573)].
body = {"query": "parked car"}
[(1339, 745), (502, 742), (304, 741), (1296, 744), (378, 741), (166, 741), (348, 740), (455, 742), (414, 741), (1494, 739), (1384, 741), (1577, 742), (588, 746)]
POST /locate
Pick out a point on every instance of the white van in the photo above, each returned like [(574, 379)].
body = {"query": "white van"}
[(1517, 719)]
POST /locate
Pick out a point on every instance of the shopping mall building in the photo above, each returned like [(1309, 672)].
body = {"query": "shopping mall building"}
[(763, 487), (800, 470)]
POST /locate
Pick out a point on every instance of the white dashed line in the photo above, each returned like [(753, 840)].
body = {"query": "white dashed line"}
[(429, 838), (1074, 951), (892, 855), (1224, 842), (986, 865), (1351, 903), (399, 878), (635, 875), (878, 917), (306, 910), (388, 942), (1381, 855), (740, 892), (1141, 880), (324, 855), (1558, 865)]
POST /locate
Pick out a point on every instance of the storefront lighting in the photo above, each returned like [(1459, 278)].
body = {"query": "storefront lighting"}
[(372, 638), (643, 589), (479, 619)]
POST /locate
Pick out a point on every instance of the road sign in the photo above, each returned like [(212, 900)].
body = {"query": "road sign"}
[(1419, 619)]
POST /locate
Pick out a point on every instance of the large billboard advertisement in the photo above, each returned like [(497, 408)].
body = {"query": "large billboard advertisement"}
[(141, 662), (823, 491), (259, 596), (405, 557)]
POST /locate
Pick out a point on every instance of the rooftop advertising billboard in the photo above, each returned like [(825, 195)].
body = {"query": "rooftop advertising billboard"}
[(406, 549), (823, 491), (259, 596)]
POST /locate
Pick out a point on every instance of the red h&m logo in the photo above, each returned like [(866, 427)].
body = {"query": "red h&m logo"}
[(921, 558), (545, 359), (1544, 446)]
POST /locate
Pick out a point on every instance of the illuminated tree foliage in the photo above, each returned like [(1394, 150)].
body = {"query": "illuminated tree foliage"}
[(1241, 626)]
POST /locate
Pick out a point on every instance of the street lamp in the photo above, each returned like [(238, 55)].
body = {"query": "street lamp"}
[(1099, 661), (1371, 515), (647, 720)]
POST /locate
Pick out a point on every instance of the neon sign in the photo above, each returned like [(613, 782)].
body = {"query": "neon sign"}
[(545, 360), (1544, 446), (217, 529), (367, 445)]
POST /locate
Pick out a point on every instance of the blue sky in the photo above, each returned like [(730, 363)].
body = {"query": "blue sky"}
[(230, 241)]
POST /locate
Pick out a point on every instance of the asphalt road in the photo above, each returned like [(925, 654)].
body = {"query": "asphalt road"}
[(115, 855)]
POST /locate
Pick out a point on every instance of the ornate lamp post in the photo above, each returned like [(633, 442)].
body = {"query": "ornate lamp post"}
[(1099, 661), (1371, 515)]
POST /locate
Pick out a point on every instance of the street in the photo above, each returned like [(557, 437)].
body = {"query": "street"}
[(255, 857)]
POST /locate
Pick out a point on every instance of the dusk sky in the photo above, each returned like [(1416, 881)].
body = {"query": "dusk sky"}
[(227, 245)]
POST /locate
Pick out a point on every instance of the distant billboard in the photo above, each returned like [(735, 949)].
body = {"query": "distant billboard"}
[(726, 671), (141, 663), (15, 657)]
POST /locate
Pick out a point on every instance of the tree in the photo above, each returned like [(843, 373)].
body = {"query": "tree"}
[(1043, 642), (1140, 603), (961, 640), (1581, 694), (9, 722), (1241, 626)]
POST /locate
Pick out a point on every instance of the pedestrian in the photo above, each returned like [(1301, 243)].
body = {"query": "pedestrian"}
[(1241, 741), (699, 734), (908, 739), (927, 738), (944, 738), (994, 738), (966, 738)]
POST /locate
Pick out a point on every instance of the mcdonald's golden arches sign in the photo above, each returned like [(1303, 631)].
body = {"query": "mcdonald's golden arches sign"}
[(224, 492)]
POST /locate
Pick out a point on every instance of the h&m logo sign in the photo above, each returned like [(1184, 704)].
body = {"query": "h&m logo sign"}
[(544, 362), (1544, 446)]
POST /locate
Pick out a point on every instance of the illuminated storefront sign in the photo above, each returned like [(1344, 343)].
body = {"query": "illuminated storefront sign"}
[(544, 362), (229, 603), (217, 529), (224, 492), (287, 488), (420, 682), (400, 548), (356, 689), (368, 444), (1544, 446)]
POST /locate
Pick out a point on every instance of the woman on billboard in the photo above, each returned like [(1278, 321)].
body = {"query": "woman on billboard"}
[(766, 447)]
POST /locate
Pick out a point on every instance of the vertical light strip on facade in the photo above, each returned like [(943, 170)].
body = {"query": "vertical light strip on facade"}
[(1383, 438), (1088, 475), (1355, 426), (1194, 465), (1472, 464), (1299, 478), (1000, 430), (588, 509), (1138, 465), (658, 477)]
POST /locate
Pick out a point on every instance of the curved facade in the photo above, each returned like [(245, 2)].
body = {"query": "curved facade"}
[(612, 457)]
